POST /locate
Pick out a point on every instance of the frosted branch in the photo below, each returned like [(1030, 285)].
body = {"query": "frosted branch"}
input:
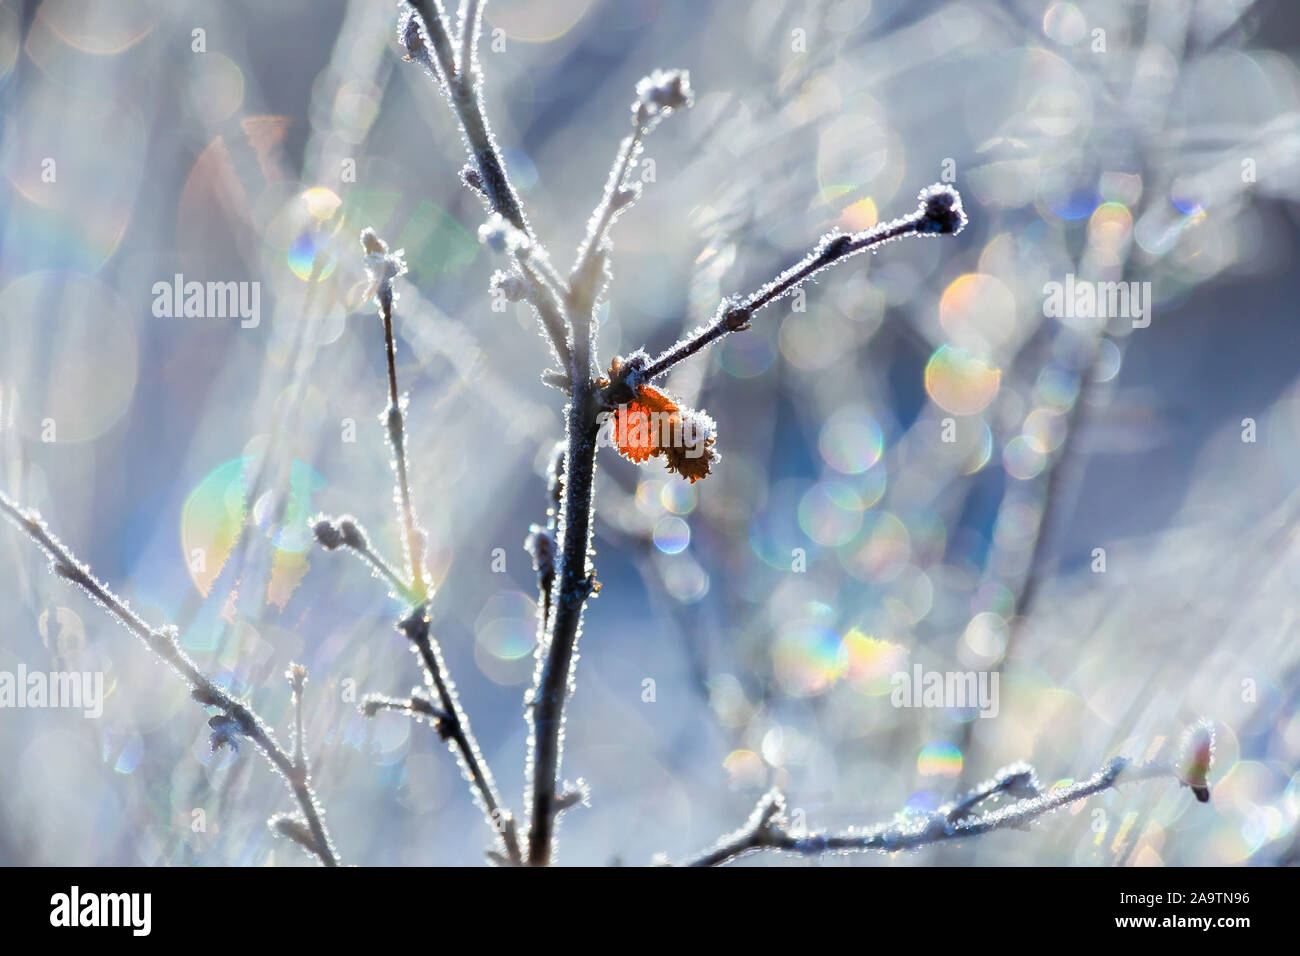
[(769, 828), (345, 533), (413, 706), (383, 267), (657, 96), (939, 213), (426, 26), (237, 719), (453, 727)]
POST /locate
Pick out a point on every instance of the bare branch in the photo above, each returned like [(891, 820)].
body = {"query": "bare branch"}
[(383, 267), (237, 718), (939, 213), (450, 721), (414, 705), (471, 25), (574, 583), (769, 829), (443, 62), (453, 727), (428, 20), (657, 96)]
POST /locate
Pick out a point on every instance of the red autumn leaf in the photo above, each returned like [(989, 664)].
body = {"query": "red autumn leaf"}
[(652, 424), (640, 424)]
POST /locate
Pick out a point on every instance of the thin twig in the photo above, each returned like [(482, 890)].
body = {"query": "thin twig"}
[(547, 301), (768, 827), (939, 213), (453, 726), (487, 173), (451, 723), (466, 103), (471, 13), (434, 21), (384, 267), (413, 706), (239, 718)]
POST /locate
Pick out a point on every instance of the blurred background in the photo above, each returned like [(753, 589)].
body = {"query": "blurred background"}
[(918, 468)]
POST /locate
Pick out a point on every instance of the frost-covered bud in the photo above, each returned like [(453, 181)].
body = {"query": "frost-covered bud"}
[(372, 244), (410, 34), (226, 729), (297, 677), (381, 265), (327, 534), (664, 90), (292, 828), (625, 197), (471, 177), (512, 288), (501, 236), (352, 533), (542, 547), (940, 211)]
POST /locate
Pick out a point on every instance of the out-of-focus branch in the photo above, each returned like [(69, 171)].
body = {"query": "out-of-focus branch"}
[(768, 827), (237, 718), (471, 24)]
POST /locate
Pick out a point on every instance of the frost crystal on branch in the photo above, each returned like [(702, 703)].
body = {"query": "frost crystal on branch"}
[(767, 828), (501, 236), (664, 91)]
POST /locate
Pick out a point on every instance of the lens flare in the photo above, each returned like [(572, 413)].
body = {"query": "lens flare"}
[(318, 206), (959, 382), (851, 441), (830, 513), (672, 535), (808, 658), (1022, 459), (882, 552), (872, 662), (214, 512), (978, 312), (939, 759)]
